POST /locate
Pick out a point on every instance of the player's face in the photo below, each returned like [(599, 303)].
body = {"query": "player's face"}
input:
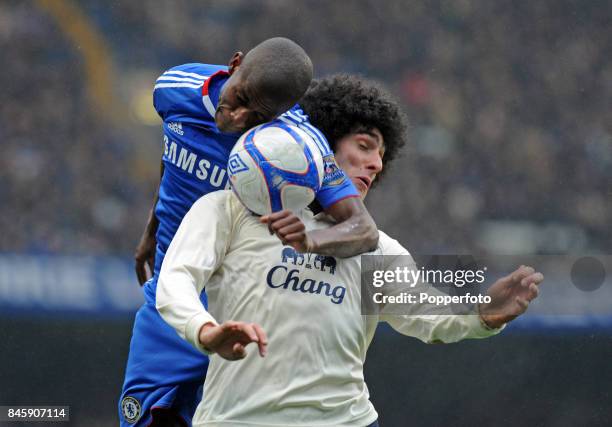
[(241, 106), (360, 155)]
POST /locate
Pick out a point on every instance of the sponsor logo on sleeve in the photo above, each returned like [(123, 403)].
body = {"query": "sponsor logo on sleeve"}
[(333, 175)]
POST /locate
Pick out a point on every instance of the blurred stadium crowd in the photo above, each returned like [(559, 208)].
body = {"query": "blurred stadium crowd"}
[(509, 103)]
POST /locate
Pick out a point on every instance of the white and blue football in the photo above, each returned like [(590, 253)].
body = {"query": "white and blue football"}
[(275, 166)]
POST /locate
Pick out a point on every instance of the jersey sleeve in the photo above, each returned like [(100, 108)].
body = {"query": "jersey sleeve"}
[(177, 93), (336, 185), (427, 322), (197, 250)]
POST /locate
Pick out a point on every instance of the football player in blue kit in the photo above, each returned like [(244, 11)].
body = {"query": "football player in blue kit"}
[(204, 110), (312, 374)]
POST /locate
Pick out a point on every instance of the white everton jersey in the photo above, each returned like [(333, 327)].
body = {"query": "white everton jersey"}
[(308, 304)]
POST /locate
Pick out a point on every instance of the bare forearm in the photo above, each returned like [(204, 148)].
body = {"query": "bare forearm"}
[(356, 235), (144, 256), (153, 222)]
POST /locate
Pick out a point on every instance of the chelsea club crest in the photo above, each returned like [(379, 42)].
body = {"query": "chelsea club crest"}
[(131, 409)]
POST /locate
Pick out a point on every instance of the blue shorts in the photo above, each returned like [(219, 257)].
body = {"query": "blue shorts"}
[(163, 370)]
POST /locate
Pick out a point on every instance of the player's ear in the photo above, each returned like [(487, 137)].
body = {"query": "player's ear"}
[(235, 62)]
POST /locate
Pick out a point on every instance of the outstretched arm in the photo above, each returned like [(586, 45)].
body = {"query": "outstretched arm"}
[(437, 323), (354, 233), (510, 297)]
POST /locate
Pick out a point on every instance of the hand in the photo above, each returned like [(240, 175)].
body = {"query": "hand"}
[(289, 229), (145, 257), (229, 339), (510, 296)]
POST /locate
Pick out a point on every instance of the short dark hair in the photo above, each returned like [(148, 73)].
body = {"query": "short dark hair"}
[(281, 68), (342, 104)]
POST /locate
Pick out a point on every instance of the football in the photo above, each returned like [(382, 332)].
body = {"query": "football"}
[(275, 166)]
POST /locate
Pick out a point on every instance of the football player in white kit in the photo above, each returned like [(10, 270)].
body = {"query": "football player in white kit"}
[(303, 311)]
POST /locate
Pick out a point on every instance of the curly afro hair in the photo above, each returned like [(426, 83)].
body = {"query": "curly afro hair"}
[(342, 104)]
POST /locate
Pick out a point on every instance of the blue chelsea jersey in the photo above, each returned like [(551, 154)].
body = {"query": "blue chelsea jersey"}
[(196, 152)]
